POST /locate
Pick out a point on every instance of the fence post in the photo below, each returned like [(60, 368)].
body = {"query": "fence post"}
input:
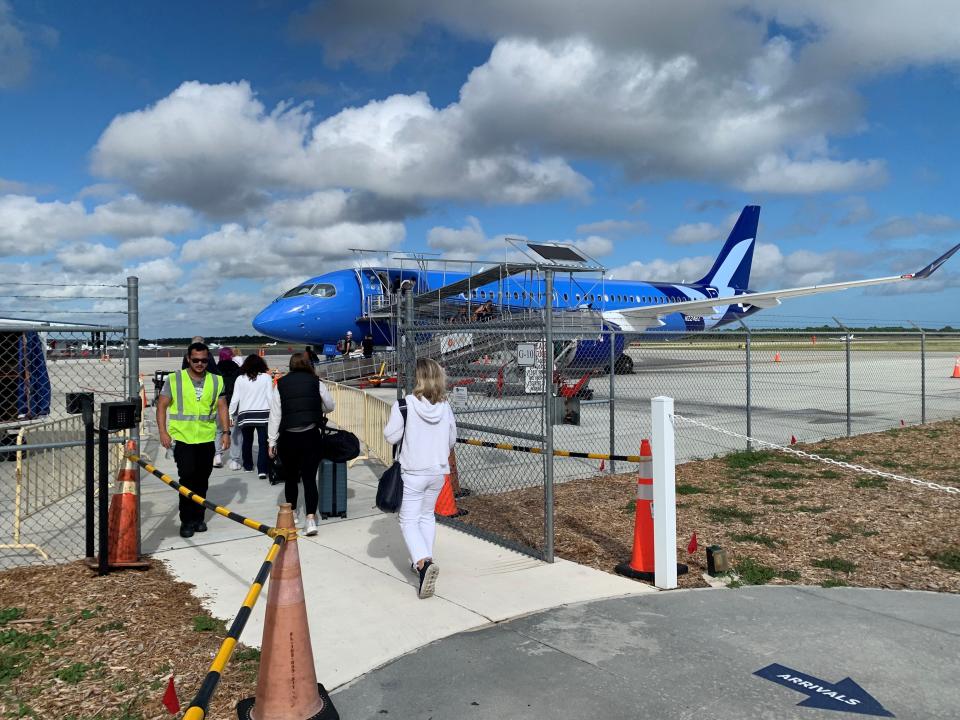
[(847, 344), (133, 387), (548, 416), (923, 373), (749, 379), (612, 402), (664, 494)]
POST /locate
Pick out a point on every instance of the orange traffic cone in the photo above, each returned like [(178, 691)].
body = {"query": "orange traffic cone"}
[(123, 519), (776, 358), (641, 565), (446, 502), (287, 687), (956, 369)]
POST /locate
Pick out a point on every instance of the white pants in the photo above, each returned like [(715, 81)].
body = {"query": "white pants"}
[(417, 523)]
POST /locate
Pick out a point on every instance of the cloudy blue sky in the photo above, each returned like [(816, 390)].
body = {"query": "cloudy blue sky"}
[(224, 151)]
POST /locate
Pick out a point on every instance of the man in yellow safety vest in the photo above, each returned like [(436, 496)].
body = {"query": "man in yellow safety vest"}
[(187, 411)]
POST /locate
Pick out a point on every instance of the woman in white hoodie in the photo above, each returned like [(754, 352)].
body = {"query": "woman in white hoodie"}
[(250, 405), (429, 435)]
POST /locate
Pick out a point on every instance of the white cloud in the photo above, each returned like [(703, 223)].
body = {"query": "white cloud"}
[(920, 224), (31, 227), (855, 210), (779, 173), (130, 216), (146, 247), (89, 257), (694, 233)]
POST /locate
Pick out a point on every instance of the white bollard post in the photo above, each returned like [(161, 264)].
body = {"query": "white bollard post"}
[(664, 494)]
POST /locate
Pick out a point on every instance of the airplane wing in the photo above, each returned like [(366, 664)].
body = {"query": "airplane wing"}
[(647, 316)]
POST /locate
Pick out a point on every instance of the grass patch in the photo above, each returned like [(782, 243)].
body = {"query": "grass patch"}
[(838, 564), (760, 539), (833, 582), (830, 474), (779, 485), (107, 627), (778, 474), (729, 514), (812, 508), (870, 482), (73, 674), (753, 573), (948, 559), (834, 538), (791, 575), (746, 459), (8, 614), (205, 623), (247, 655), (684, 489)]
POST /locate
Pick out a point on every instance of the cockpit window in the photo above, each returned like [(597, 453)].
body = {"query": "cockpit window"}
[(299, 290), (324, 291)]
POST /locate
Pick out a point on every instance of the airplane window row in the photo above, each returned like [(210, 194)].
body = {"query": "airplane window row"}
[(299, 290)]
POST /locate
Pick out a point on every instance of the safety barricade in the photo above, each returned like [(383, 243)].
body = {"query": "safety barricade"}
[(365, 416), (284, 620)]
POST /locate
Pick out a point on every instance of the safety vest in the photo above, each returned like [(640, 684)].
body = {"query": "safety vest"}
[(189, 420)]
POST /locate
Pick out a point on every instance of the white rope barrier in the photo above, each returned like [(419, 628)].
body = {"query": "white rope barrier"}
[(829, 461)]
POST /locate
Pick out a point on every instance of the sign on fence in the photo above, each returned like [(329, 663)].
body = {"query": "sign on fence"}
[(526, 354), (455, 341), (533, 381), (458, 400)]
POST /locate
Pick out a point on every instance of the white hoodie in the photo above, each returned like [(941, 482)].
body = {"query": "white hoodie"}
[(431, 433)]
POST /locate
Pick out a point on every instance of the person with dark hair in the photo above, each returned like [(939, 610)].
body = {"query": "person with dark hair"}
[(189, 406), (250, 406), (211, 368), (229, 367), (297, 409), (314, 358)]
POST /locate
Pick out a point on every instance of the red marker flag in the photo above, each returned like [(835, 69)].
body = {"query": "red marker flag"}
[(793, 439), (692, 546), (602, 465), (170, 701)]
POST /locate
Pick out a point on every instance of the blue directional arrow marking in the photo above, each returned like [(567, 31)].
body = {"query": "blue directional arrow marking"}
[(845, 695)]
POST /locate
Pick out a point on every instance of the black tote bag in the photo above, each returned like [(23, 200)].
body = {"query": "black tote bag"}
[(390, 487)]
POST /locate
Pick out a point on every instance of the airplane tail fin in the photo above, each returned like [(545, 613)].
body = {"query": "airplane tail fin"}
[(732, 266)]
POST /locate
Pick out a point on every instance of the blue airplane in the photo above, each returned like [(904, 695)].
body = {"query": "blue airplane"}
[(322, 309)]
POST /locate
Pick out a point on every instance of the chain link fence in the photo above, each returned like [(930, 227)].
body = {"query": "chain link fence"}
[(42, 456), (778, 387)]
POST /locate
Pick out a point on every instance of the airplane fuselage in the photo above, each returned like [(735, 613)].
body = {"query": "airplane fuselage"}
[(323, 308)]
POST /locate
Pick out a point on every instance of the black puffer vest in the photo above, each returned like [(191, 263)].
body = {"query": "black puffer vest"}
[(300, 401)]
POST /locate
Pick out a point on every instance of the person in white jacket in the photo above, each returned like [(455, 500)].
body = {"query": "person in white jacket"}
[(250, 406), (428, 437)]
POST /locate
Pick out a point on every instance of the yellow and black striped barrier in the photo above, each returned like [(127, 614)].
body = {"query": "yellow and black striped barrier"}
[(267, 530), (556, 453), (201, 701)]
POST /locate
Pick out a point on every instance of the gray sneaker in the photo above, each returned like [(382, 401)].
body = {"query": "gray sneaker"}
[(428, 579)]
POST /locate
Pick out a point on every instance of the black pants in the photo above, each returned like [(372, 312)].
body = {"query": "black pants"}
[(194, 465), (263, 460), (299, 459)]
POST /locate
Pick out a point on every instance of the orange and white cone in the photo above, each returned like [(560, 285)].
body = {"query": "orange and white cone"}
[(124, 520), (287, 687), (956, 369), (641, 565), (776, 357)]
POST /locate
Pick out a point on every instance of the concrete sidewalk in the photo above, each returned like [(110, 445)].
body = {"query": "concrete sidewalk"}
[(361, 598)]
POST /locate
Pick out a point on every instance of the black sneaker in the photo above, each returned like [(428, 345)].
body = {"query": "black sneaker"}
[(200, 527), (186, 530), (428, 579)]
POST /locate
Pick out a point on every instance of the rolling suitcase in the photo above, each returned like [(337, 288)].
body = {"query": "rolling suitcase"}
[(332, 479)]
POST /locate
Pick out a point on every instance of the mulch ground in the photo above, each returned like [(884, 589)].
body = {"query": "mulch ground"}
[(780, 519), (74, 646)]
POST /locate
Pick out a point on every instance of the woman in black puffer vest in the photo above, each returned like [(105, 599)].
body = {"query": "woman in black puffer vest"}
[(297, 409)]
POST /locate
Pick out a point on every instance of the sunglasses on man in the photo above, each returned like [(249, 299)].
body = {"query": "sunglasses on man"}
[(201, 361)]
